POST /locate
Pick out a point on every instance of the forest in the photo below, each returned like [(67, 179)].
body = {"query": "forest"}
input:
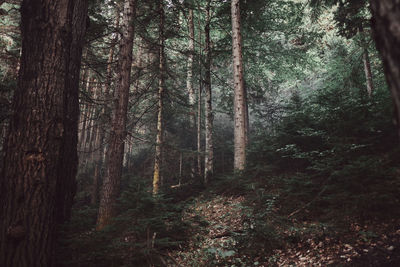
[(199, 133)]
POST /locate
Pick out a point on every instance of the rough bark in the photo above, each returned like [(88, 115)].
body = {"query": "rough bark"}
[(161, 87), (37, 183), (209, 149), (240, 106), (386, 31), (115, 151)]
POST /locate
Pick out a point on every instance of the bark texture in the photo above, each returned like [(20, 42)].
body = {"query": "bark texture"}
[(37, 183), (209, 149), (386, 30), (240, 105), (161, 88), (115, 152)]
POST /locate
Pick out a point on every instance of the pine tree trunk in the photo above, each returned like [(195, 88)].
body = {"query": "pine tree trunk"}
[(191, 92), (386, 29), (240, 104), (37, 183), (85, 113), (86, 143), (94, 136), (115, 151), (189, 80), (199, 97), (90, 122), (209, 150), (367, 64), (157, 180), (96, 154), (104, 122), (368, 72)]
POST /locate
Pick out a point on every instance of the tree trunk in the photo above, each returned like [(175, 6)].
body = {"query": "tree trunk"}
[(90, 122), (367, 64), (199, 126), (115, 151), (199, 152), (94, 196), (96, 151), (386, 29), (191, 92), (368, 72), (160, 127), (189, 80), (209, 150), (240, 105), (37, 183), (84, 112), (104, 121)]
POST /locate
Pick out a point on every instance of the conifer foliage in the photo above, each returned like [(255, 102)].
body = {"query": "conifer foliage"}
[(199, 133)]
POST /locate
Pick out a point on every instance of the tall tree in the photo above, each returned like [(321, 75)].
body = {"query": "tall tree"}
[(199, 105), (161, 88), (240, 98), (209, 149), (189, 79), (189, 86), (351, 18), (104, 120), (368, 71), (386, 29), (37, 183), (115, 151)]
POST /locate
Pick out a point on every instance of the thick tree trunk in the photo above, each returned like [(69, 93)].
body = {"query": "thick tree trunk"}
[(37, 183), (240, 105), (115, 151), (209, 150), (157, 176), (386, 30)]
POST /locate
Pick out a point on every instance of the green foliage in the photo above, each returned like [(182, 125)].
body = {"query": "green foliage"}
[(144, 229), (335, 143)]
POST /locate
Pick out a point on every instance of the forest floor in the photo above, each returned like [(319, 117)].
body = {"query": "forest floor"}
[(228, 235), (237, 221)]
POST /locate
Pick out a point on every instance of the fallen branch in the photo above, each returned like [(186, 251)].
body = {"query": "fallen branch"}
[(227, 233)]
